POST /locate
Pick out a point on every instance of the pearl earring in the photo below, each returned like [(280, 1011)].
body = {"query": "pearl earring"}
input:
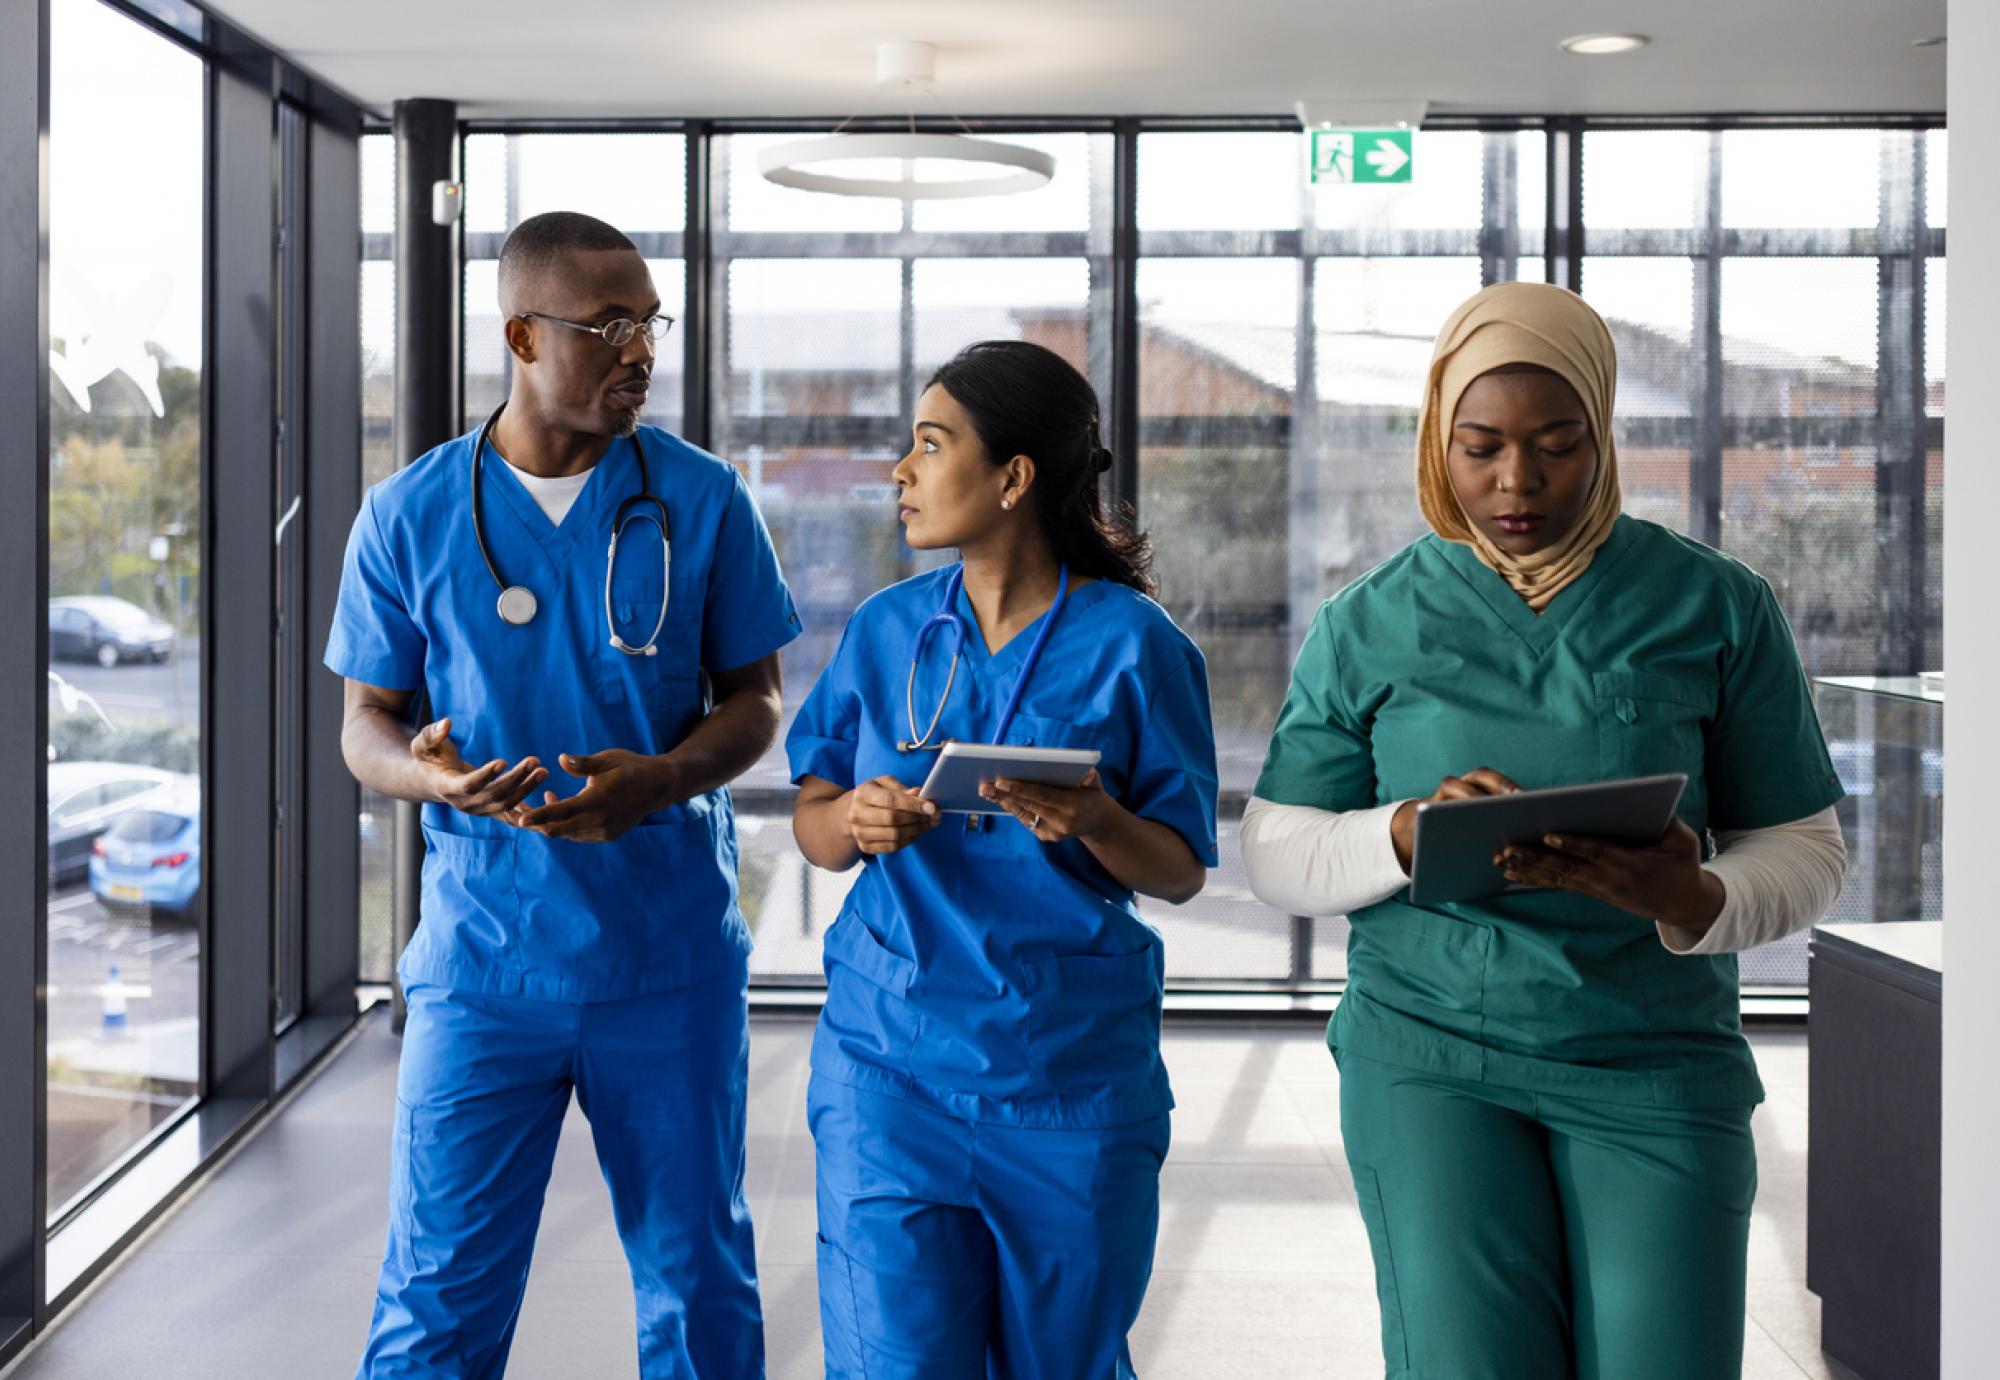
[(1006, 503)]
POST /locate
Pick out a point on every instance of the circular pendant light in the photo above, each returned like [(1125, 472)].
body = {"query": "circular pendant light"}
[(920, 167), (935, 166)]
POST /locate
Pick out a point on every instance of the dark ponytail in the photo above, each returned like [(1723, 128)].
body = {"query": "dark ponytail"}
[(1027, 400)]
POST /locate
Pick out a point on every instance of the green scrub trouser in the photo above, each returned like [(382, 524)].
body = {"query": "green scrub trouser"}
[(1523, 1236)]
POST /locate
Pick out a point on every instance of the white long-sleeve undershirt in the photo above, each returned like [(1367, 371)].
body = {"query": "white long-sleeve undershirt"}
[(1776, 881)]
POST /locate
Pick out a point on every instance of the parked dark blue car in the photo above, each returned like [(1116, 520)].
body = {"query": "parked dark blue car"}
[(99, 628)]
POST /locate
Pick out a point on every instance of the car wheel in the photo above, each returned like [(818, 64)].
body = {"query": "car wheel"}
[(107, 654)]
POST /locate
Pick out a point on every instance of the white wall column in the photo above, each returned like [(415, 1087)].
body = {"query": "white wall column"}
[(1972, 704)]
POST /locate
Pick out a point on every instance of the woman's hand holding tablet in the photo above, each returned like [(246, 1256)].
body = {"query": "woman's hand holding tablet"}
[(1661, 881), (1054, 814), (1480, 781), (884, 816)]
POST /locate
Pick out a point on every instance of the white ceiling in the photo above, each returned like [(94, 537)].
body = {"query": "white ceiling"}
[(744, 58)]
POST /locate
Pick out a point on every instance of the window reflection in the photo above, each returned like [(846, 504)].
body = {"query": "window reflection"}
[(124, 826)]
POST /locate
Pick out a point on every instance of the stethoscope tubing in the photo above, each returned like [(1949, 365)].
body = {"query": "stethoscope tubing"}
[(624, 516), (948, 617)]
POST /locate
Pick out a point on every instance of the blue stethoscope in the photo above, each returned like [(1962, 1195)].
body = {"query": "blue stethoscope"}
[(947, 617), (518, 603)]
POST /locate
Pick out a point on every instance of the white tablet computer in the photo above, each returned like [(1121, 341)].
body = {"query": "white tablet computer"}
[(962, 768), (1456, 841)]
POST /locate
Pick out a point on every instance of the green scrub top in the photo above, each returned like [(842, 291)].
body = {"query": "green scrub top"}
[(1664, 656)]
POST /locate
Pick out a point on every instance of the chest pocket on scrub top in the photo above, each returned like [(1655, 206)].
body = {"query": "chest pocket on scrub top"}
[(1649, 724), (1107, 738), (671, 677)]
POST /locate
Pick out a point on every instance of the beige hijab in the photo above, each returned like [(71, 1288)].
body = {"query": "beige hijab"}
[(1522, 323)]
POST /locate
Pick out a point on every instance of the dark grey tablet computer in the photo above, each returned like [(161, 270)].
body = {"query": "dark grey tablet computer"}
[(1452, 859)]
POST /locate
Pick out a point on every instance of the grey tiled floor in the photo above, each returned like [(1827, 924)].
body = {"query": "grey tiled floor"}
[(1262, 1269)]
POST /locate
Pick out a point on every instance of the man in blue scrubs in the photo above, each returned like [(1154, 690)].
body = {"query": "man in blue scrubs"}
[(579, 926)]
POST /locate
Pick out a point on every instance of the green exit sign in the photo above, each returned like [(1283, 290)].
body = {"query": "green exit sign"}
[(1361, 155)]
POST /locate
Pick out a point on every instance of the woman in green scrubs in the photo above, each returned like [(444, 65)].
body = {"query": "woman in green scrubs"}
[(1546, 1096)]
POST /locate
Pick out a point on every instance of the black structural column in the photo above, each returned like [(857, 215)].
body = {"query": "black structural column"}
[(1705, 455), (427, 373), (1124, 402), (239, 490), (331, 799), (24, 401), (696, 317)]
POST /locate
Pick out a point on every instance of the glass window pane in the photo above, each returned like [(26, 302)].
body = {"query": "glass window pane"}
[(126, 131), (1062, 205), (378, 184), (959, 301), (1812, 320), (1799, 505), (1809, 179), (636, 182), (1649, 306), (1531, 173), (1353, 502), (1643, 179), (814, 337), (1218, 378), (1937, 176), (377, 958), (1934, 336), (1247, 180)]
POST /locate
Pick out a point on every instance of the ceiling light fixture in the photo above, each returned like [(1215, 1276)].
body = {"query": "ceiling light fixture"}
[(933, 166), (1604, 45)]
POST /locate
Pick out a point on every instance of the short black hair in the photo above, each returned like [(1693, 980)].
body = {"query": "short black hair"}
[(543, 242)]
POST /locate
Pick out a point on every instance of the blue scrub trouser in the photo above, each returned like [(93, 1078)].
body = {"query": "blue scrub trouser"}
[(952, 1250), (484, 1085), (1527, 1236)]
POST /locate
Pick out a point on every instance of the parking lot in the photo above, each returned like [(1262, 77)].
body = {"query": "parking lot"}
[(111, 1081), (169, 690)]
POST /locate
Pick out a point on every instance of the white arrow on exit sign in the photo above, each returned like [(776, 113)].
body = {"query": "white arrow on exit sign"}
[(1387, 160)]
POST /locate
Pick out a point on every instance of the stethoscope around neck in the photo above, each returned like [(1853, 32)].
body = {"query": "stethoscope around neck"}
[(948, 617), (518, 604)]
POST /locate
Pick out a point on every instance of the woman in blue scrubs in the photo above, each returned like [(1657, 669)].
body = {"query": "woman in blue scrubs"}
[(1546, 1095), (988, 1104)]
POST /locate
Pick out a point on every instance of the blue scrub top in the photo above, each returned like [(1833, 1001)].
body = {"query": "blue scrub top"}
[(983, 972), (507, 911)]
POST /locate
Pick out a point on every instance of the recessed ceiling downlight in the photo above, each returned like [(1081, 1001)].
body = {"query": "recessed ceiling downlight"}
[(1603, 45)]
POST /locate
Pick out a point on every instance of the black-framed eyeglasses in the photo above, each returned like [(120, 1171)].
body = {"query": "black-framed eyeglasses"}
[(617, 333)]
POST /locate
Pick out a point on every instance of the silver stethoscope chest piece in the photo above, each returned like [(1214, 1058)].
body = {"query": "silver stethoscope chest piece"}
[(517, 605)]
